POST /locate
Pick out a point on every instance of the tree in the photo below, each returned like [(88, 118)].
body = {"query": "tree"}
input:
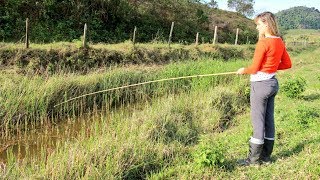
[(244, 7), (213, 4), (299, 17)]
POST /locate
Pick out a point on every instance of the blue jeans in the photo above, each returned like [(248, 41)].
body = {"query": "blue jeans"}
[(262, 96)]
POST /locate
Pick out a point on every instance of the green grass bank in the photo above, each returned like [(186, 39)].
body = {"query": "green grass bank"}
[(162, 138)]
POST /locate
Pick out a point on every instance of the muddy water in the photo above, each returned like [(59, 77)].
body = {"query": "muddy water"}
[(42, 141)]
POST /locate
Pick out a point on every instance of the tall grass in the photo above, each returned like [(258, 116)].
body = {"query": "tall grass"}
[(30, 101), (156, 137), (133, 144)]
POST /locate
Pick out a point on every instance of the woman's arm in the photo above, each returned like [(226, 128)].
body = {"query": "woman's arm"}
[(259, 55), (285, 62)]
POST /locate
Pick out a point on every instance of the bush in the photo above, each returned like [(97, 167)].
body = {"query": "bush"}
[(209, 154), (294, 87)]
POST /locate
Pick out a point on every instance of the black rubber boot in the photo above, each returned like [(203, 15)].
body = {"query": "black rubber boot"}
[(266, 151), (254, 155)]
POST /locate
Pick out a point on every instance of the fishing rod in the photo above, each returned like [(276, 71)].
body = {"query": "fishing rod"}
[(142, 83)]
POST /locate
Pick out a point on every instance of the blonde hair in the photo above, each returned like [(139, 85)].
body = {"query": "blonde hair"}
[(269, 19)]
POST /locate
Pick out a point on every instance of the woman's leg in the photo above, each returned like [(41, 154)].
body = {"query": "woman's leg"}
[(258, 107), (269, 119), (259, 97), (269, 127)]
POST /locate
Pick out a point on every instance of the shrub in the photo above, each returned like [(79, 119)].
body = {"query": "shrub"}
[(294, 87), (209, 154)]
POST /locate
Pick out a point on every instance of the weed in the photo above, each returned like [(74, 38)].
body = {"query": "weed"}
[(294, 87), (209, 153)]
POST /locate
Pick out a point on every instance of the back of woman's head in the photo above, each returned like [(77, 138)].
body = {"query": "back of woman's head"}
[(269, 19)]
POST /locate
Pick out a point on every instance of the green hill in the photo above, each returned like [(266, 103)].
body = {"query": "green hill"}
[(114, 21), (299, 18)]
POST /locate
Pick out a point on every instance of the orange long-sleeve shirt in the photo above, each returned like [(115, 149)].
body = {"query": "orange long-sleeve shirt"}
[(270, 55)]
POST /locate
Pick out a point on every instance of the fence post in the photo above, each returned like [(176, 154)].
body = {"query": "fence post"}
[(215, 35), (84, 44), (236, 41), (197, 38), (170, 36), (134, 35), (27, 33)]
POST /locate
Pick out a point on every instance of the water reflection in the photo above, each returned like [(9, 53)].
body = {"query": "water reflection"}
[(42, 141)]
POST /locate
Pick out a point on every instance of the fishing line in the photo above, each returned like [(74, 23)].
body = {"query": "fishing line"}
[(142, 83)]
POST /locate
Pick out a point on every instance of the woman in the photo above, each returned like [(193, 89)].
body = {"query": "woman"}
[(270, 55)]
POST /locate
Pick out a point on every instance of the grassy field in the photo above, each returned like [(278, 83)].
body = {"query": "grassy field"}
[(189, 129), (302, 35)]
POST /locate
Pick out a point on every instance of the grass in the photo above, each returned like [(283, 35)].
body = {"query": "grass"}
[(32, 101), (65, 57), (297, 146), (157, 138), (302, 35), (132, 144)]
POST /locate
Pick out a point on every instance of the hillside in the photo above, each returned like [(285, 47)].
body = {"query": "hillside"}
[(114, 21), (299, 18)]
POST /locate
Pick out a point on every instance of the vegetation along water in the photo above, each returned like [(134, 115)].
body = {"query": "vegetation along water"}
[(188, 128)]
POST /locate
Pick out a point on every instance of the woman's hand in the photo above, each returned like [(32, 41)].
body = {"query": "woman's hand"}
[(240, 71)]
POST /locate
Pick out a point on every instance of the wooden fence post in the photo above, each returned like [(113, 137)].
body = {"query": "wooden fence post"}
[(27, 33), (170, 36), (197, 38), (84, 44), (236, 41), (215, 35), (134, 35)]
